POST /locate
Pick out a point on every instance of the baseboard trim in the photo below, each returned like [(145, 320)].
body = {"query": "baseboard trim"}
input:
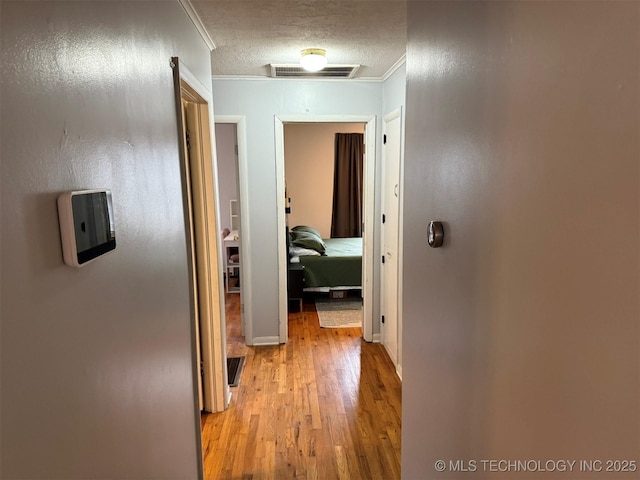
[(376, 338), (399, 371), (265, 341)]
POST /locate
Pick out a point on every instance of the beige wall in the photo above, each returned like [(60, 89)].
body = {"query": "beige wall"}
[(521, 333), (97, 373), (309, 165)]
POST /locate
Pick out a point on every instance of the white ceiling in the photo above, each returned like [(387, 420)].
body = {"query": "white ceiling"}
[(251, 34)]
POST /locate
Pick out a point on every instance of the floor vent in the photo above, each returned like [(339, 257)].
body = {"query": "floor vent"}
[(234, 370), (330, 71)]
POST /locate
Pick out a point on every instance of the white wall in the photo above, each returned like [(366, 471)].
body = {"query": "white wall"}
[(394, 90), (260, 101), (309, 157), (521, 333), (96, 362), (227, 169)]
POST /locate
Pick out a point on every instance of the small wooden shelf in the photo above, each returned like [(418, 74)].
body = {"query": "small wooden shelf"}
[(234, 215), (231, 245)]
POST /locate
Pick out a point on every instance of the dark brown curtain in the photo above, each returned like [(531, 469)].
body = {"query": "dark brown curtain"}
[(346, 220)]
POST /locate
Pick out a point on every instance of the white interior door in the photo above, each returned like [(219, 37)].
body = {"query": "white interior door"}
[(198, 172), (391, 152), (192, 251)]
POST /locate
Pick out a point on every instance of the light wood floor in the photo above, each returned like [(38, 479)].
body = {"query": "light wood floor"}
[(325, 405)]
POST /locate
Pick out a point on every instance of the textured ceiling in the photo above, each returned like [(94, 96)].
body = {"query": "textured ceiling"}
[(251, 34)]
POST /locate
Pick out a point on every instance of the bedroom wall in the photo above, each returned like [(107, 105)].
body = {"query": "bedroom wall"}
[(309, 156), (227, 169), (96, 362), (521, 333), (260, 100)]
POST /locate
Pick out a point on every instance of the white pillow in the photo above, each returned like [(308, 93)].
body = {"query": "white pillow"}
[(296, 251)]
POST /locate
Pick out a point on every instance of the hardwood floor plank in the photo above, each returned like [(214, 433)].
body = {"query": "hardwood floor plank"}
[(326, 405)]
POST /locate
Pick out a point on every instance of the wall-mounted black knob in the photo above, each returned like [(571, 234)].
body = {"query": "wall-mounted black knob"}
[(436, 234)]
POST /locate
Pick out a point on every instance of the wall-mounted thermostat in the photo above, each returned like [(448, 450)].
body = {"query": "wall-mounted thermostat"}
[(86, 225)]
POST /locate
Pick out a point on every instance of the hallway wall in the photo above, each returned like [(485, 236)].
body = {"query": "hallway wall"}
[(521, 333), (97, 373)]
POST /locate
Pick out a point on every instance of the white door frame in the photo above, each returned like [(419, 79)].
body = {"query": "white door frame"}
[(243, 193), (213, 340), (369, 212)]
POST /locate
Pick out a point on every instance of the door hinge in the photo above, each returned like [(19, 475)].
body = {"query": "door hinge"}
[(188, 139), (202, 369), (384, 139), (383, 259), (384, 218), (382, 318), (236, 149)]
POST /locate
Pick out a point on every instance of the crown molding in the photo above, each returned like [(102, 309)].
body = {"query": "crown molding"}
[(401, 61), (197, 21)]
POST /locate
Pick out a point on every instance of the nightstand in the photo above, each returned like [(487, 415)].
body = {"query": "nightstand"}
[(295, 282)]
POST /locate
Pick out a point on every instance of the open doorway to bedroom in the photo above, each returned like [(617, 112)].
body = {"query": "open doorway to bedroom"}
[(229, 201), (305, 154), (231, 160), (230, 233), (324, 171)]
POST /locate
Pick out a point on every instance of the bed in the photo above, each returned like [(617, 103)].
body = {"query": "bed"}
[(331, 263)]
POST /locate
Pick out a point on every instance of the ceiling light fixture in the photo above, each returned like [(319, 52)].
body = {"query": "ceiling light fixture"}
[(313, 59)]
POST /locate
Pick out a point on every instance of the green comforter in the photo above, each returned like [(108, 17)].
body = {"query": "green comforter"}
[(341, 267)]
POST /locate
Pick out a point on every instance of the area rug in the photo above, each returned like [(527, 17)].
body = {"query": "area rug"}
[(343, 313)]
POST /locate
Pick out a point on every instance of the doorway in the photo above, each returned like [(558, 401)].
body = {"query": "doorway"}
[(368, 214), (194, 111), (235, 213), (232, 257)]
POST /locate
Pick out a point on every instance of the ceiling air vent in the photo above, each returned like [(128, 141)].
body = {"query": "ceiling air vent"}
[(330, 71)]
